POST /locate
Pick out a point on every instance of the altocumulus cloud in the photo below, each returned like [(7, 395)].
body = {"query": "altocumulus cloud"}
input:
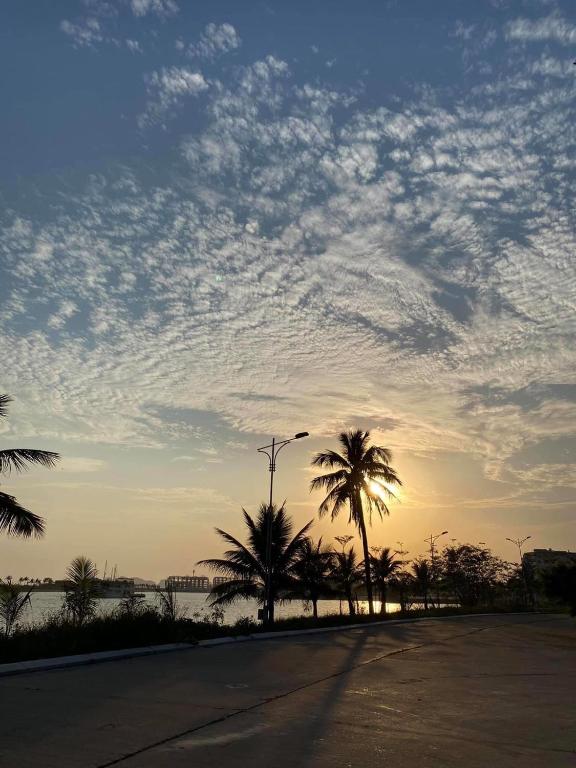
[(358, 256)]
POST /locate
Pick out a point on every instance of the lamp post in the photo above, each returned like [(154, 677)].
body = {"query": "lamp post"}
[(520, 543), (272, 452), (431, 541)]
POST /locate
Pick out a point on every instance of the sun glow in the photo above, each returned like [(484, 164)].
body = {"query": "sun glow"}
[(382, 490)]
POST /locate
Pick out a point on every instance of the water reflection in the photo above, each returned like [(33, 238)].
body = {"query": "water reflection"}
[(46, 603)]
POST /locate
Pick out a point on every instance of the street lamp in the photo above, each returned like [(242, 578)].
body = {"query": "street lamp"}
[(520, 543), (431, 541), (272, 452)]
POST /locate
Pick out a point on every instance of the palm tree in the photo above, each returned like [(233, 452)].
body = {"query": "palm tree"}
[(345, 576), (384, 567), (360, 476), (402, 581), (81, 590), (15, 519), (246, 566), (13, 604), (311, 571), (423, 578)]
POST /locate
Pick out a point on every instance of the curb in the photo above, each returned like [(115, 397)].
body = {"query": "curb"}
[(343, 628), (83, 659)]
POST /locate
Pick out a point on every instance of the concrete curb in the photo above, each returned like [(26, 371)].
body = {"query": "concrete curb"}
[(63, 662), (82, 659), (344, 628)]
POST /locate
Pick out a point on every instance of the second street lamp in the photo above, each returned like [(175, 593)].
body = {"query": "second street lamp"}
[(431, 540), (272, 452), (520, 543)]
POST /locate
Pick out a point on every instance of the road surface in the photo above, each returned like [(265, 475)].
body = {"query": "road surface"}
[(492, 691)]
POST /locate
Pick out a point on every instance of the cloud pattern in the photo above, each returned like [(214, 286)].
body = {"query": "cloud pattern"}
[(309, 257)]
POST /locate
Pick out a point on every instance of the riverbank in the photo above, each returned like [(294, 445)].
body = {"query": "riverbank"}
[(46, 603), (58, 637)]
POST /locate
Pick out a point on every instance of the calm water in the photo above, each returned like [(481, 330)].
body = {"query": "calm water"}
[(45, 603)]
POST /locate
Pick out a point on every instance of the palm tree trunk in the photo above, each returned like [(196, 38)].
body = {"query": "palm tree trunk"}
[(364, 536), (351, 607), (383, 594)]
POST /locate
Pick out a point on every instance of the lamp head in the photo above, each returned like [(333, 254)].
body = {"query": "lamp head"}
[(298, 435)]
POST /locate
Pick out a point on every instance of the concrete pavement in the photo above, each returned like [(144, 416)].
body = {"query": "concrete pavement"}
[(480, 691)]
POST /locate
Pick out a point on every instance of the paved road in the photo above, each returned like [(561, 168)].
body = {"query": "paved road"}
[(482, 691)]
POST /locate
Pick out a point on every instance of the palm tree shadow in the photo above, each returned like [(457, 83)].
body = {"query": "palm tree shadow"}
[(321, 722)]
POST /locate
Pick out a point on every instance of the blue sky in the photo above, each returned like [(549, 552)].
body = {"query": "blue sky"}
[(222, 221)]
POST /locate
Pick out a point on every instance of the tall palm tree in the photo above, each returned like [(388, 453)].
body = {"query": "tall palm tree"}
[(361, 477), (345, 576), (311, 571), (384, 567), (15, 519), (246, 566)]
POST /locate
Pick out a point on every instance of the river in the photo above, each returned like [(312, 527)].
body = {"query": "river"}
[(45, 603)]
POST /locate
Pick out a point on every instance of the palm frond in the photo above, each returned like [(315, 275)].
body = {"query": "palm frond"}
[(334, 501), (378, 455), (226, 567), (374, 503), (18, 521), (329, 480), (19, 458), (82, 570), (5, 401), (293, 548), (354, 443), (381, 472), (235, 589), (330, 459)]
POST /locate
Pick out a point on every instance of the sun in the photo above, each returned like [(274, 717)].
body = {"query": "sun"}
[(383, 490)]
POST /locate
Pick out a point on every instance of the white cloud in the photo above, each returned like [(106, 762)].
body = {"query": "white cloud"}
[(216, 40), (133, 45), (553, 28), (80, 464), (422, 245), (66, 310), (86, 33), (162, 8), (167, 88)]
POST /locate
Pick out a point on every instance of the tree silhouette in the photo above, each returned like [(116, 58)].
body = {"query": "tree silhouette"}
[(81, 590), (311, 571), (361, 475), (384, 567), (15, 519), (13, 604), (246, 566), (345, 575), (423, 578)]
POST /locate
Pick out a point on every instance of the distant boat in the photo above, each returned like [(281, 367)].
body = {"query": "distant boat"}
[(115, 588)]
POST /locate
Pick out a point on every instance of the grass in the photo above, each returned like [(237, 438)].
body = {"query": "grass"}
[(60, 637)]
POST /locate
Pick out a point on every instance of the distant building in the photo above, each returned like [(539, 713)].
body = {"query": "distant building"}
[(144, 585), (219, 580), (188, 583), (543, 559)]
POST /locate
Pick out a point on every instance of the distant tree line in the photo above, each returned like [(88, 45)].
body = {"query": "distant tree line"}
[(360, 479)]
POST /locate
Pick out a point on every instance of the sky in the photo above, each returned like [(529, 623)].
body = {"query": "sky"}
[(226, 221)]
